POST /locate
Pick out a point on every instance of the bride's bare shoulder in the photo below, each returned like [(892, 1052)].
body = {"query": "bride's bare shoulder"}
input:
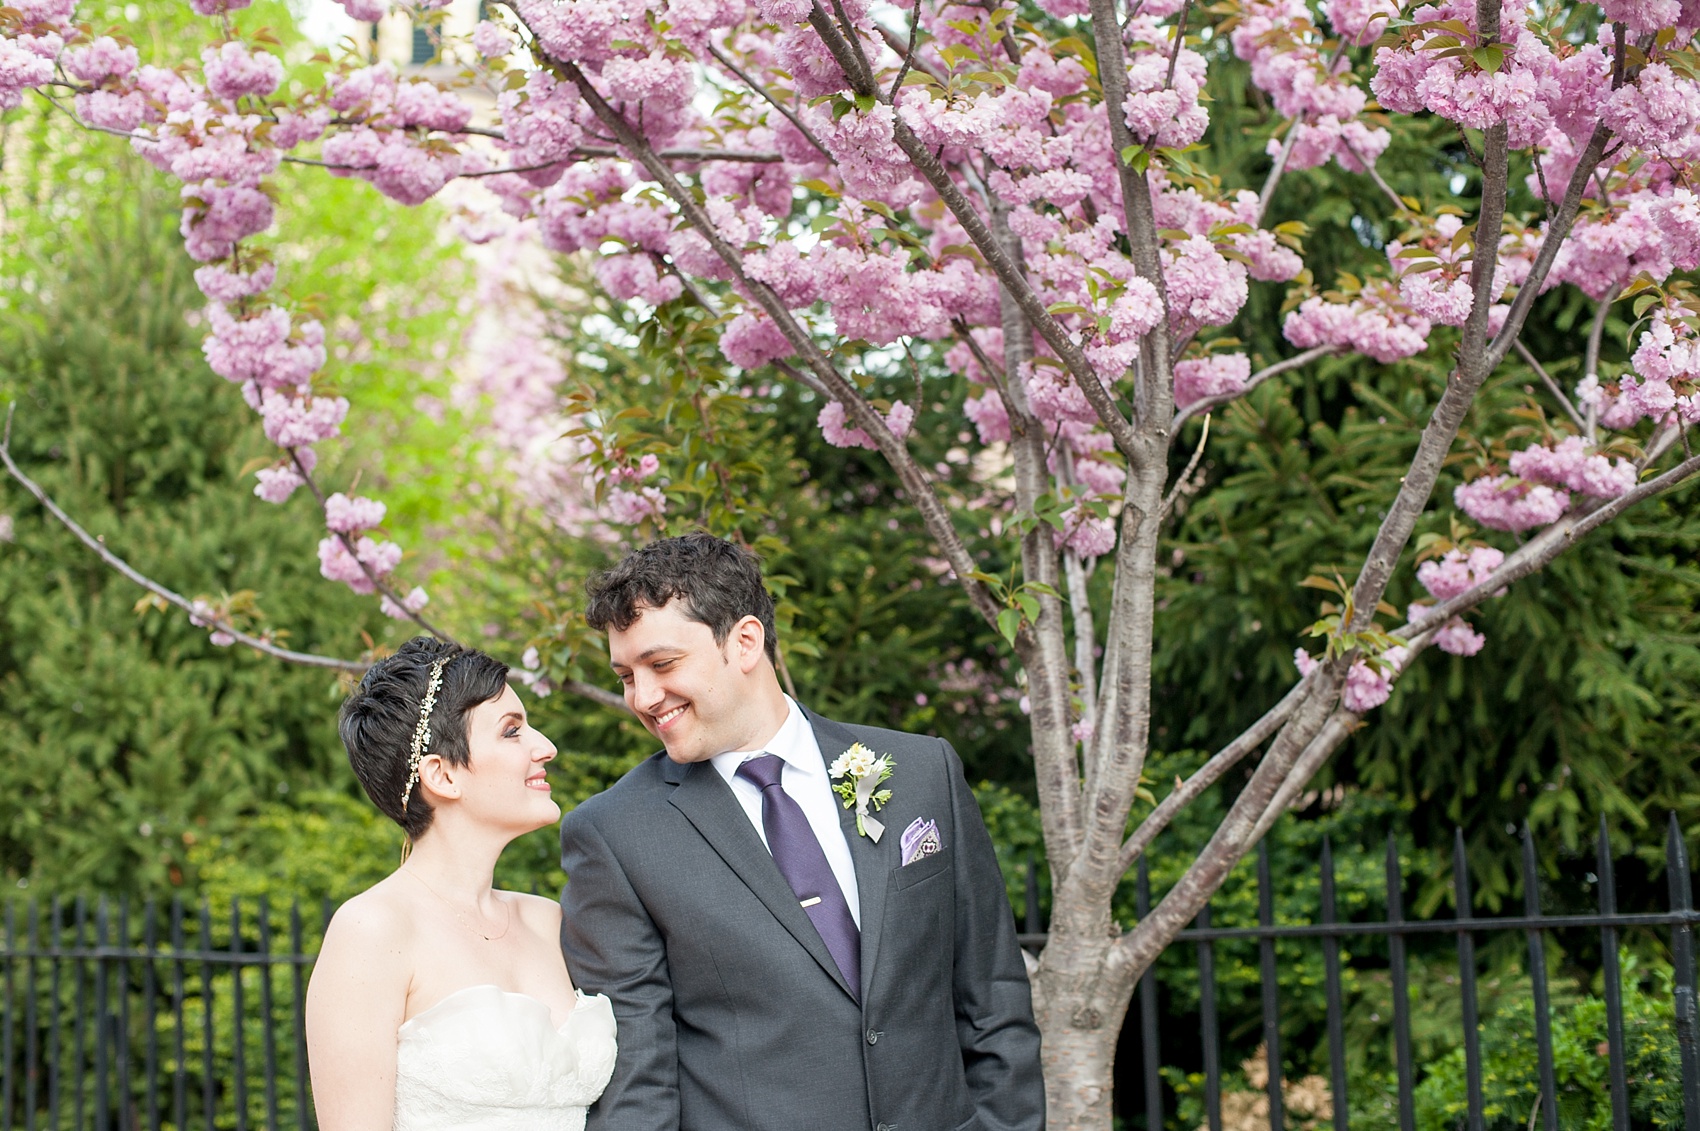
[(380, 919), (539, 913)]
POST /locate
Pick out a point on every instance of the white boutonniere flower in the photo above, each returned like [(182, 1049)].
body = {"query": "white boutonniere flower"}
[(862, 771)]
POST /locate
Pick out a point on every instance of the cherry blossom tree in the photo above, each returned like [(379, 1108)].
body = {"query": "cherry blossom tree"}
[(834, 184)]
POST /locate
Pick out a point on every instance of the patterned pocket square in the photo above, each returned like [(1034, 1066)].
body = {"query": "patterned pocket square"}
[(920, 840)]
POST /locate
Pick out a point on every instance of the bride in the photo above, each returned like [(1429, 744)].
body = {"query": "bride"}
[(438, 1001)]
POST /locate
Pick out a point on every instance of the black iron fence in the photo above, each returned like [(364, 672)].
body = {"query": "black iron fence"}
[(1679, 921), (125, 1017), (118, 1016)]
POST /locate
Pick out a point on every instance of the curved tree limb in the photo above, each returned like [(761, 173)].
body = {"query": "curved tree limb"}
[(1206, 404), (1552, 386), (199, 613), (761, 91), (212, 621), (1462, 385), (1211, 772)]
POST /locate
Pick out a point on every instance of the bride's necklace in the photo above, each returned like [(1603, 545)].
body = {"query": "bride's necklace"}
[(508, 922)]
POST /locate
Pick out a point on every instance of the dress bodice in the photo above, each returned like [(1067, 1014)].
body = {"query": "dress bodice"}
[(488, 1059)]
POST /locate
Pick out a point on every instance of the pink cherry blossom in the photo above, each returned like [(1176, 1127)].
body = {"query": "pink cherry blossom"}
[(297, 421), (629, 508), (233, 71), (1458, 571), (111, 110), (492, 40), (1458, 638), (1085, 534), (1659, 112), (20, 70), (990, 418), (1366, 687), (1217, 375), (267, 348), (1503, 502), (337, 564), (99, 60), (415, 600), (227, 287), (217, 216), (751, 340), (277, 484), (350, 516), (1572, 466), (1373, 324)]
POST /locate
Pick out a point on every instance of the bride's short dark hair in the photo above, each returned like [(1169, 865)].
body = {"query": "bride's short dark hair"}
[(379, 720)]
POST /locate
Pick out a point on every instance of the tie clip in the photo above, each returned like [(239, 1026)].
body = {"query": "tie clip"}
[(810, 902)]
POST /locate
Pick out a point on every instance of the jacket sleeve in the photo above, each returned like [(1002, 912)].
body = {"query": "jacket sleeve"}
[(613, 947), (994, 1002)]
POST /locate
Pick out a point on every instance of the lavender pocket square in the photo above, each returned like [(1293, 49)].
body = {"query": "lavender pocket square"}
[(920, 839)]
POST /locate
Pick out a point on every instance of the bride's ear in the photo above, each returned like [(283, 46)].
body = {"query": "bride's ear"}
[(439, 777)]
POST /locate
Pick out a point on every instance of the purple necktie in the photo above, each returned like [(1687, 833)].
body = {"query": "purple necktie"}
[(804, 867)]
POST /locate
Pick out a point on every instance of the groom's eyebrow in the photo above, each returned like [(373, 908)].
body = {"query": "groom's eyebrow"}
[(656, 649)]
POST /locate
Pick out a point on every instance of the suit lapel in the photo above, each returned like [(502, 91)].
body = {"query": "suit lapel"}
[(707, 802), (872, 861)]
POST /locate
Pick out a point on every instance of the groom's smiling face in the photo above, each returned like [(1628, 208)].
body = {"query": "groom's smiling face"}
[(687, 690)]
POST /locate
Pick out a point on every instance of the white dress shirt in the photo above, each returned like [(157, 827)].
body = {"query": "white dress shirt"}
[(804, 779)]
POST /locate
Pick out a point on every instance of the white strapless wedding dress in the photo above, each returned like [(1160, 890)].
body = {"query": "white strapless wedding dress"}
[(492, 1060)]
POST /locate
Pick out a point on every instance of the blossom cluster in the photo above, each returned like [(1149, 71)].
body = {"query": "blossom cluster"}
[(1368, 682), (800, 217), (221, 131), (1456, 571)]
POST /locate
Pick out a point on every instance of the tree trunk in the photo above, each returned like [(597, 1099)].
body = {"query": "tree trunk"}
[(1080, 1005)]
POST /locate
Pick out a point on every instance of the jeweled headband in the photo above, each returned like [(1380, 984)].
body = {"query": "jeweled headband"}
[(422, 733)]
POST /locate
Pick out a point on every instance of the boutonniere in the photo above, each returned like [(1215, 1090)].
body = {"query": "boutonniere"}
[(862, 772)]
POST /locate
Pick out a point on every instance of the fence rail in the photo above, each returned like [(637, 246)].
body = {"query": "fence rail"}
[(1680, 921), (122, 1018), (141, 1017)]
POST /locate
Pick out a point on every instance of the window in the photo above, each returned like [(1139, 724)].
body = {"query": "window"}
[(423, 49)]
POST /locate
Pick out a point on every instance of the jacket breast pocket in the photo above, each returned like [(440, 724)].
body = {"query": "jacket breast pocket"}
[(922, 870)]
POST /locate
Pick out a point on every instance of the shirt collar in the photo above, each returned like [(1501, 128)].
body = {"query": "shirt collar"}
[(794, 743)]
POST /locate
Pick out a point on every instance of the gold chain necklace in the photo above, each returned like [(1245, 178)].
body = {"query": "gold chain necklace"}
[(463, 920)]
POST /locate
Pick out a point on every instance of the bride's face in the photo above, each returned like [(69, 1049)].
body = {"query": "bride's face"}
[(505, 784)]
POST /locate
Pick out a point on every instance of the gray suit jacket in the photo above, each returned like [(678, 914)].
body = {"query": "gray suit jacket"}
[(732, 1014)]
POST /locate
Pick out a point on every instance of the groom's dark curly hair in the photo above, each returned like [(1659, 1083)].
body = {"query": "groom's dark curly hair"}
[(718, 582)]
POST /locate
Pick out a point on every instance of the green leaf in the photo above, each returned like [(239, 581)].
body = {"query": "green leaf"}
[(1009, 623)]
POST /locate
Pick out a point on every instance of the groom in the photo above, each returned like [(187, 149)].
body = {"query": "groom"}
[(772, 967)]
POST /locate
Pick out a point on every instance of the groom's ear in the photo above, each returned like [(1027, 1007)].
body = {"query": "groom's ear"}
[(749, 644)]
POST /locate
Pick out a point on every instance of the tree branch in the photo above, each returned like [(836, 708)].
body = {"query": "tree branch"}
[(914, 479), (1339, 726), (1557, 231), (762, 92), (1008, 272), (1206, 404), (1546, 545), (206, 617), (1267, 193), (1197, 454), (1552, 386), (1466, 378), (384, 590), (1211, 772), (216, 623)]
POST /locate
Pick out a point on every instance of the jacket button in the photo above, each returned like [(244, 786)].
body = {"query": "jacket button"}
[(886, 1127), (873, 1039)]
